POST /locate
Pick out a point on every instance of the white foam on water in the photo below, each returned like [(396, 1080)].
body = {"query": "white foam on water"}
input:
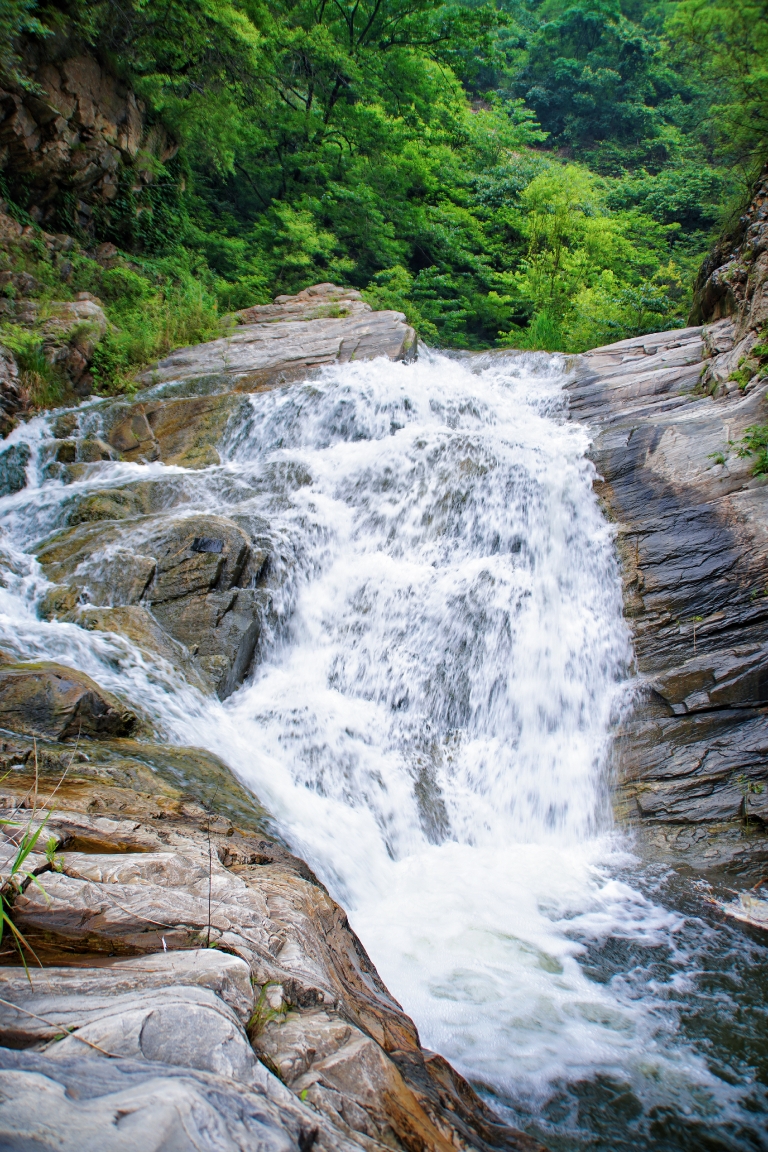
[(431, 727)]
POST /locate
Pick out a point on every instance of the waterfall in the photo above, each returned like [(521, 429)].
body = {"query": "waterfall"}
[(429, 720)]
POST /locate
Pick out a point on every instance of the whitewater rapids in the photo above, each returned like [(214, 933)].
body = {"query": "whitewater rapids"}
[(431, 722)]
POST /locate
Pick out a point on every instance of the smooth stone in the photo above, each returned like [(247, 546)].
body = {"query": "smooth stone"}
[(53, 701)]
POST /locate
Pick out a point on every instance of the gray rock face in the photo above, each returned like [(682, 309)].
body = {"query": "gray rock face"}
[(692, 535), (180, 587), (51, 1001), (733, 281), (90, 1104), (324, 324)]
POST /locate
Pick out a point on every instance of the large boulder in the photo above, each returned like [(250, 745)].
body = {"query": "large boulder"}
[(190, 579), (52, 701), (184, 431)]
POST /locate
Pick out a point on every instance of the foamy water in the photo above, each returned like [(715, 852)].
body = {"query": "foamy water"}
[(430, 724)]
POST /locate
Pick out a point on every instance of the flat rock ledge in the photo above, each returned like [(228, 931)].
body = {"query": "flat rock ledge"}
[(324, 324), (692, 536), (193, 984)]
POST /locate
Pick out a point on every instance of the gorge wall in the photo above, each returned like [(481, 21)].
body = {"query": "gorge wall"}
[(669, 412), (74, 135)]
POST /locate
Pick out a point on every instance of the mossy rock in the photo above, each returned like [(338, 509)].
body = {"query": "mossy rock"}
[(107, 504), (164, 777)]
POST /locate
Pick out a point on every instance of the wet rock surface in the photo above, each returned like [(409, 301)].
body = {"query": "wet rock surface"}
[(282, 1035), (193, 590), (692, 536), (187, 589), (53, 701)]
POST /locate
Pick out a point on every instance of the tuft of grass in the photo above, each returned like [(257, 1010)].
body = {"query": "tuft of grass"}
[(754, 442), (42, 381), (742, 377), (148, 323)]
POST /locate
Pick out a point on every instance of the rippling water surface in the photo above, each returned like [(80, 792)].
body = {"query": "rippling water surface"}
[(430, 726)]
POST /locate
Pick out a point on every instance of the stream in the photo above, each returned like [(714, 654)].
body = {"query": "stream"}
[(429, 722)]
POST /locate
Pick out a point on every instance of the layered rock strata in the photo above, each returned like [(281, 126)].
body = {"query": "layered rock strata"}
[(692, 534), (196, 980)]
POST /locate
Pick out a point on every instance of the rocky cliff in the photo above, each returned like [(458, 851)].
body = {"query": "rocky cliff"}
[(669, 413), (73, 134)]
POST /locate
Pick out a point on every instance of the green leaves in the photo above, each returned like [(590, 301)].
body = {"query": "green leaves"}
[(726, 43), (754, 442), (398, 145)]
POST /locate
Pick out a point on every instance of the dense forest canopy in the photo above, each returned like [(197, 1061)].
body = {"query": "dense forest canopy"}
[(533, 173)]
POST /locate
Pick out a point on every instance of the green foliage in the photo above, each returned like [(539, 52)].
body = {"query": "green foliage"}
[(40, 379), (16, 19), (589, 276), (17, 874), (754, 442), (726, 45), (541, 173), (150, 319)]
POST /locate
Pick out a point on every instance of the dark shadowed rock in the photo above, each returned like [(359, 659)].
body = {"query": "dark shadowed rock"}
[(13, 469), (174, 585), (69, 133)]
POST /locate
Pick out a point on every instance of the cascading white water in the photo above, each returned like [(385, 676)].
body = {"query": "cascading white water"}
[(431, 725)]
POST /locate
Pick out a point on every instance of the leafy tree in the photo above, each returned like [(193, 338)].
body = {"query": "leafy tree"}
[(726, 44), (546, 173)]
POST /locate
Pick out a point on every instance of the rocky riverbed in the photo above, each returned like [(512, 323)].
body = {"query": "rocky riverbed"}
[(194, 975)]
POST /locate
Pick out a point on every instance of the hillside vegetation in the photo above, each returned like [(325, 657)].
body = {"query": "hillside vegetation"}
[(529, 173)]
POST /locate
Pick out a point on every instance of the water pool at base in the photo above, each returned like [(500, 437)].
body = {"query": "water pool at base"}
[(430, 723)]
